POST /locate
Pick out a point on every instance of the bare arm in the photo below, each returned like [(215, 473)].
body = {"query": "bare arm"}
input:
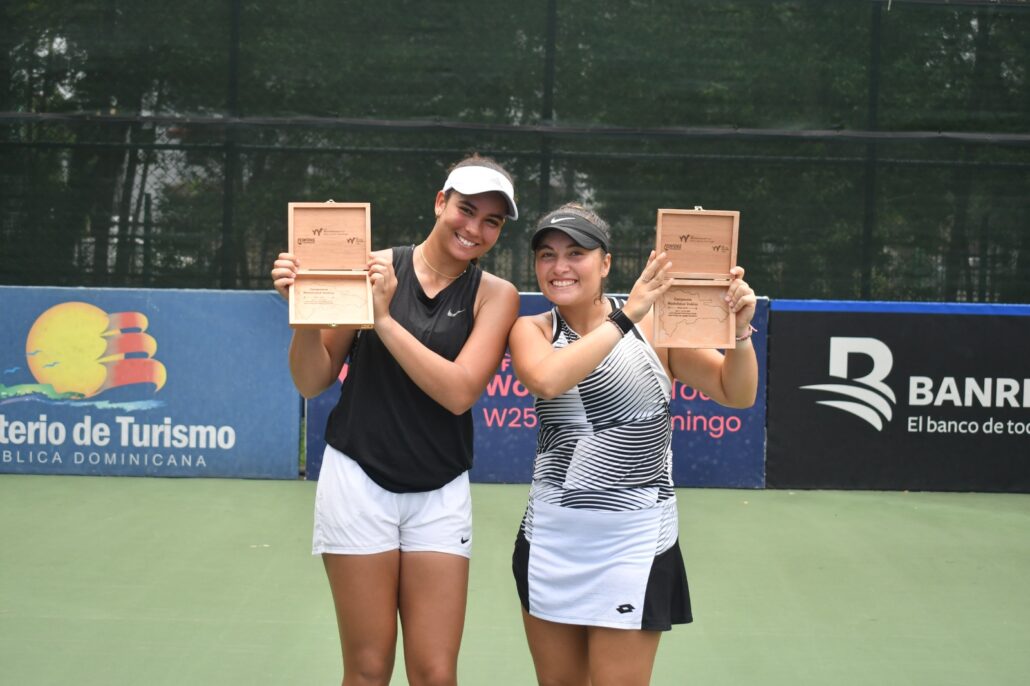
[(455, 385), (316, 355), (546, 372)]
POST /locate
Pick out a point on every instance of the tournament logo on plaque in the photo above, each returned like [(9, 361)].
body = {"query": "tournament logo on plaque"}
[(331, 240)]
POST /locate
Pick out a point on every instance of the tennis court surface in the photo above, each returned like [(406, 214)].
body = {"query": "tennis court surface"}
[(141, 581)]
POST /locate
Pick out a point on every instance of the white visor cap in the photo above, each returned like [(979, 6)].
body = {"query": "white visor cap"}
[(471, 180)]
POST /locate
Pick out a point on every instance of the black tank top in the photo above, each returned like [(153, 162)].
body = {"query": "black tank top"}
[(403, 439)]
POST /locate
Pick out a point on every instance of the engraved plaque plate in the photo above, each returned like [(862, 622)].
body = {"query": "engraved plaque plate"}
[(702, 248), (330, 301), (695, 316), (332, 242)]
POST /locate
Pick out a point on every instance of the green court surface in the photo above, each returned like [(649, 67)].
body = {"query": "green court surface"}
[(195, 581)]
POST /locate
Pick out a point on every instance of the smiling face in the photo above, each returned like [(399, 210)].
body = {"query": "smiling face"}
[(567, 273), (469, 225)]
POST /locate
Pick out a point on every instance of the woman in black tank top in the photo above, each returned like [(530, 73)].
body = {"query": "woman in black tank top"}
[(404, 418)]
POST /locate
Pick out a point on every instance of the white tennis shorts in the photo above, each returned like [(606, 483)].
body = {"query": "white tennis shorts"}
[(356, 516)]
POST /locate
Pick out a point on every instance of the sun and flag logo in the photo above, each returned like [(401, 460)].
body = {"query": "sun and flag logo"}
[(76, 351)]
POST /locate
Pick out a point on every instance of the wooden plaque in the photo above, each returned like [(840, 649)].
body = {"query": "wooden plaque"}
[(332, 241), (702, 248)]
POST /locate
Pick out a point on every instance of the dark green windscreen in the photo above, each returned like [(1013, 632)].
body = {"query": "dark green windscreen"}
[(875, 150)]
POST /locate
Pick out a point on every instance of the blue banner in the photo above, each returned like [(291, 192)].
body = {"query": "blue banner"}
[(146, 383), (712, 445)]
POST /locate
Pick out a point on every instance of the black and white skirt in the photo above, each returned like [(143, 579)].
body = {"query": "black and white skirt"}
[(600, 568)]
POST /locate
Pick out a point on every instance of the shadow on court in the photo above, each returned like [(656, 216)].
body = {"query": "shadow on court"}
[(207, 581)]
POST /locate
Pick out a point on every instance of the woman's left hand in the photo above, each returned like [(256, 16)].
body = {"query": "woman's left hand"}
[(741, 299), (653, 281), (384, 285)]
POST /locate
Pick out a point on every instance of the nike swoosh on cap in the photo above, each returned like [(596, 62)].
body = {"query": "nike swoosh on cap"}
[(555, 220)]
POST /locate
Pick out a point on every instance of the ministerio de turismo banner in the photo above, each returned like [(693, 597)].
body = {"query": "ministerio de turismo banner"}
[(712, 445), (146, 382), (899, 396)]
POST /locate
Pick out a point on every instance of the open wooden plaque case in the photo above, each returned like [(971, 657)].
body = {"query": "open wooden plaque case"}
[(332, 241), (702, 248)]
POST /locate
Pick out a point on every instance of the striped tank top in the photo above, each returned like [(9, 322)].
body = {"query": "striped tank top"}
[(606, 443)]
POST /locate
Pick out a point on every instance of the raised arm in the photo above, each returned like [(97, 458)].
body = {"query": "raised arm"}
[(546, 372), (730, 379), (316, 355), (455, 385)]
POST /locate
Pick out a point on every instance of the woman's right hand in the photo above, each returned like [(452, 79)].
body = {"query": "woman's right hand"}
[(284, 271), (652, 282)]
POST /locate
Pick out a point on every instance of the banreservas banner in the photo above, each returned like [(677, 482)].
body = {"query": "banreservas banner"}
[(899, 396)]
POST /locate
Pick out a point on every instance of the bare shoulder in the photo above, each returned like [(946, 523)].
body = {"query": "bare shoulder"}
[(498, 291), (540, 322), (495, 286)]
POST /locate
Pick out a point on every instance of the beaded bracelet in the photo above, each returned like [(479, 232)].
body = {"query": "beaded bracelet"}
[(750, 331), (621, 320)]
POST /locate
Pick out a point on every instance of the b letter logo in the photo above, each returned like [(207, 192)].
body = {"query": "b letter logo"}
[(871, 397)]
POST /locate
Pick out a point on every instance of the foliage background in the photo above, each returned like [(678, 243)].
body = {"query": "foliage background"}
[(875, 149)]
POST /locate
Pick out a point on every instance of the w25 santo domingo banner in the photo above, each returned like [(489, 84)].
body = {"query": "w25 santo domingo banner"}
[(899, 396), (712, 445), (146, 382)]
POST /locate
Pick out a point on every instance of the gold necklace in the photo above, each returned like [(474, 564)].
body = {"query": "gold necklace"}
[(422, 254)]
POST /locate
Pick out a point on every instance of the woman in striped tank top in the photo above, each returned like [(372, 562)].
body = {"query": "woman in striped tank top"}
[(597, 562)]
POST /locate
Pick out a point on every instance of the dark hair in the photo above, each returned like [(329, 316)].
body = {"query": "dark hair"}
[(477, 160), (591, 216)]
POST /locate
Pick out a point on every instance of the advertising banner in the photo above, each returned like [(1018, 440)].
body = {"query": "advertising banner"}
[(133, 382), (899, 396), (712, 445)]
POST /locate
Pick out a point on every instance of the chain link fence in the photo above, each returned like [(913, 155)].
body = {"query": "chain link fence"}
[(871, 199)]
